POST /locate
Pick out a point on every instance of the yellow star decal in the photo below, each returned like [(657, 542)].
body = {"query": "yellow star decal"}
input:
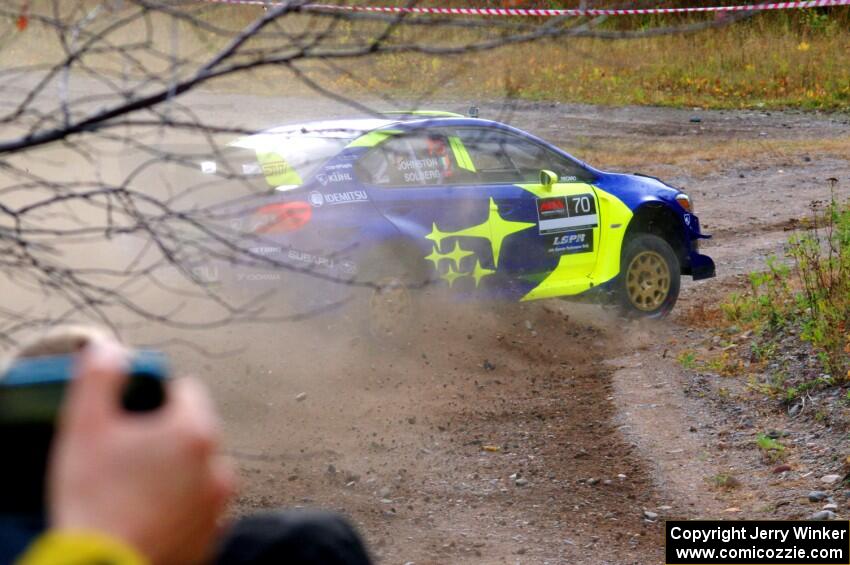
[(436, 235), (457, 255), (480, 272), (435, 257), (495, 229), (501, 228), (481, 230), (451, 276)]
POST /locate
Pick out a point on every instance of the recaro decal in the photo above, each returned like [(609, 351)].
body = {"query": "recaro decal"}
[(494, 229)]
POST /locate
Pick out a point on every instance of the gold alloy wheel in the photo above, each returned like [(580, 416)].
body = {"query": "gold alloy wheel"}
[(390, 307), (648, 281)]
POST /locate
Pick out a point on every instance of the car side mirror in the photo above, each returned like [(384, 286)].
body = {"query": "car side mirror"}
[(548, 178)]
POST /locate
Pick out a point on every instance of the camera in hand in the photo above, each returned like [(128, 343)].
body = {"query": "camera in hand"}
[(31, 394)]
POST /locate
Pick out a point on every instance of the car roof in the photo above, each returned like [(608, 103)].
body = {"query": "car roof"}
[(354, 127), (348, 128)]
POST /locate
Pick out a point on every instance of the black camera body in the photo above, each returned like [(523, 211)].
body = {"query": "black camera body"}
[(31, 393)]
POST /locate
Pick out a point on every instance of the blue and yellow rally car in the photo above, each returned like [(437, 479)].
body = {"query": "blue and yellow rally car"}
[(477, 206)]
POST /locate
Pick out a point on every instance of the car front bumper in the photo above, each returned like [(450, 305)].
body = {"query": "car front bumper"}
[(702, 267)]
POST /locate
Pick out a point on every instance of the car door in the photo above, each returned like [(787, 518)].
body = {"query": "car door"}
[(559, 254), (421, 182)]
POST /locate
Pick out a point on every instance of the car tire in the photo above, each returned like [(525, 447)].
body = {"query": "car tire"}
[(650, 277)]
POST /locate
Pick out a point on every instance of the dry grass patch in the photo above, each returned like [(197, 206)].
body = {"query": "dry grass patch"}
[(699, 157)]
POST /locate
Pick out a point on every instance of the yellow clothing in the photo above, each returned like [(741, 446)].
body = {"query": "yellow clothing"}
[(79, 548)]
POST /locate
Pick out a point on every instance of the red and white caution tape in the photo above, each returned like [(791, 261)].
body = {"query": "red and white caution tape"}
[(542, 12)]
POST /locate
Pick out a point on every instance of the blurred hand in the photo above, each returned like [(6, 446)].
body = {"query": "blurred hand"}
[(152, 480)]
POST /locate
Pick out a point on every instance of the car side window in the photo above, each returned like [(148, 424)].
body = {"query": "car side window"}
[(422, 158), (504, 157)]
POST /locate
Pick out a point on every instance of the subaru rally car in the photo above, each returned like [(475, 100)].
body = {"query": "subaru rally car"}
[(476, 206)]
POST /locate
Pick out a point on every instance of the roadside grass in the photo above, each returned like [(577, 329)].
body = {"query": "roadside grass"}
[(725, 364), (688, 360), (724, 481), (803, 304), (700, 157), (770, 61), (771, 448), (793, 59), (810, 297), (787, 335)]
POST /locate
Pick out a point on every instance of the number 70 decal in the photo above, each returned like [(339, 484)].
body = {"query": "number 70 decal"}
[(563, 213)]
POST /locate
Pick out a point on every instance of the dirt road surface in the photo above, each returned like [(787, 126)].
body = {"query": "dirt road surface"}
[(538, 433)]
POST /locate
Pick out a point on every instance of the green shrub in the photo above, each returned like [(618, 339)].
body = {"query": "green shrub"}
[(822, 265), (766, 443), (772, 449), (688, 359), (812, 294)]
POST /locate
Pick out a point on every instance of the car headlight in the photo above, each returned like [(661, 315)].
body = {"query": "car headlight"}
[(685, 202)]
